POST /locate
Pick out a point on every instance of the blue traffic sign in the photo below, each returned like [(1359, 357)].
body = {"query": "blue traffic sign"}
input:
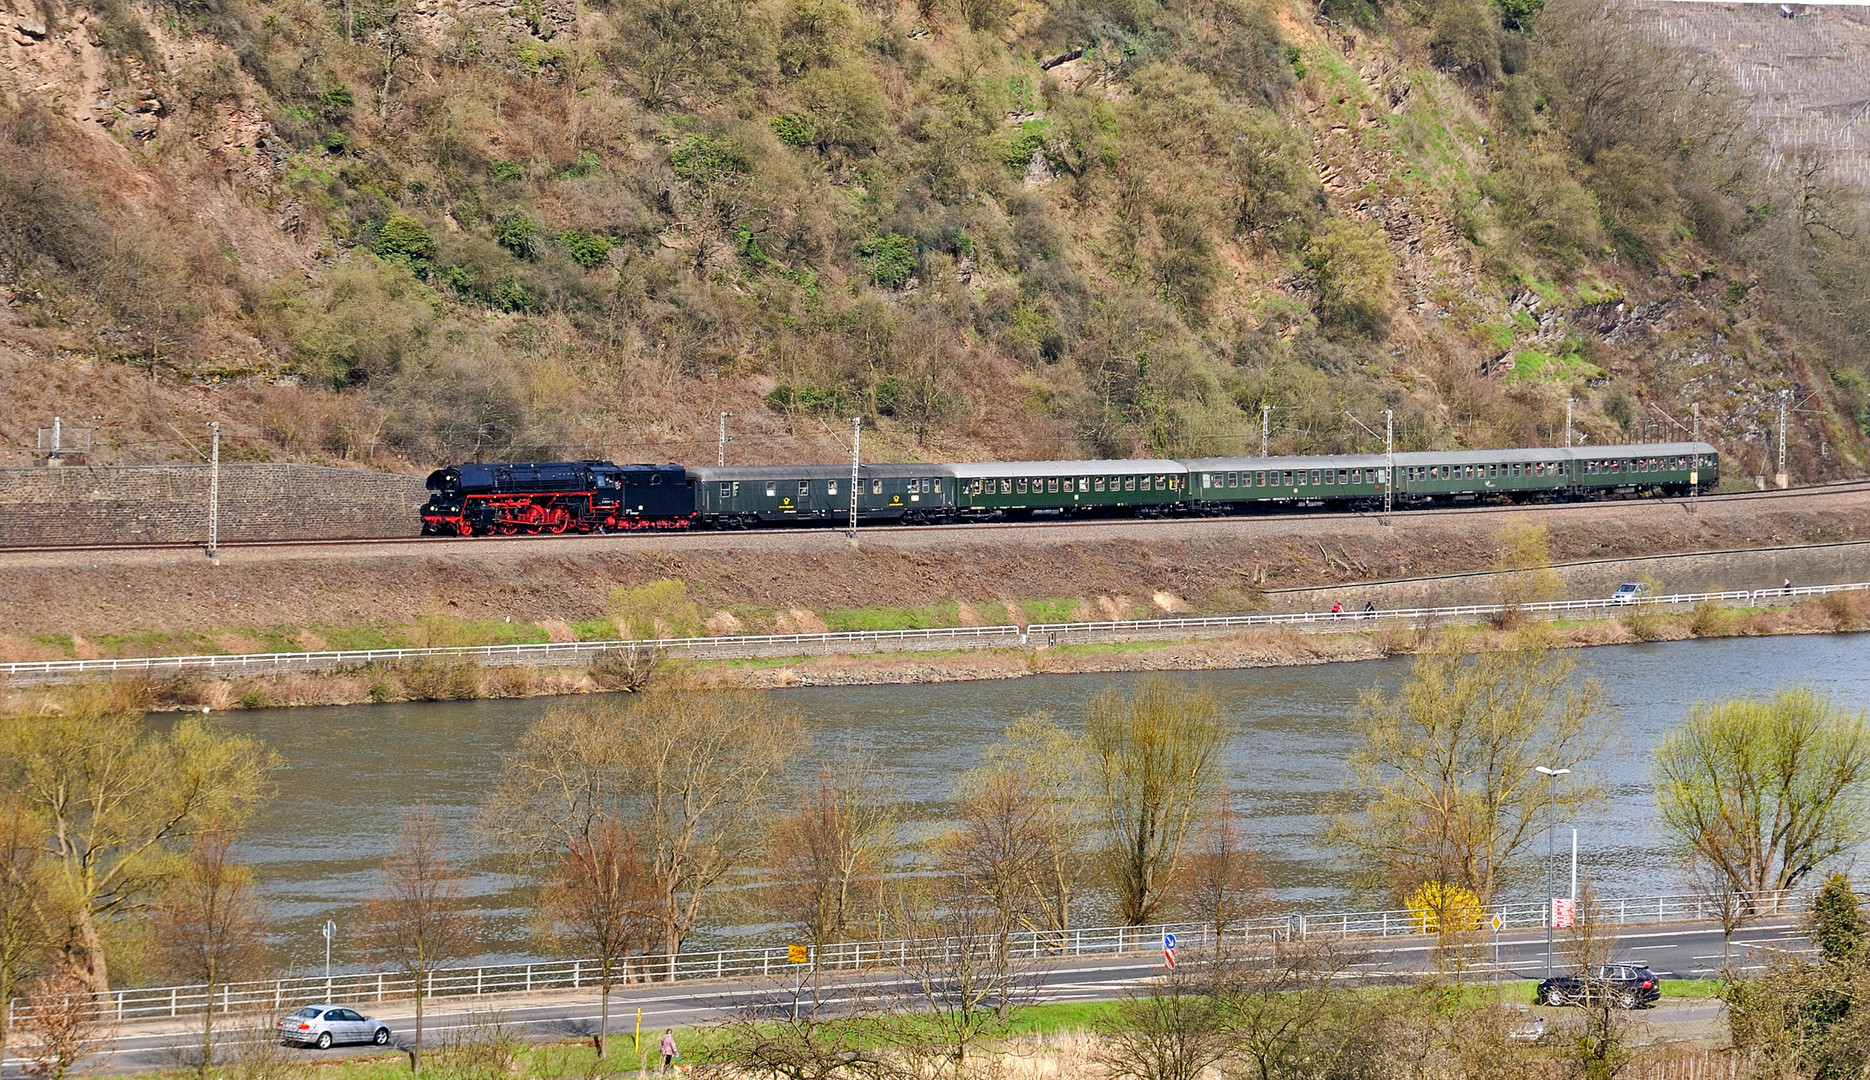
[(1168, 941)]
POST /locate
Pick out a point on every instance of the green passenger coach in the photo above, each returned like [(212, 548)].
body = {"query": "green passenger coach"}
[(733, 496), (994, 489), (1233, 485)]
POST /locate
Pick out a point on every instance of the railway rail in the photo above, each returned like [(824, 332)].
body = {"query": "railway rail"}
[(1730, 498)]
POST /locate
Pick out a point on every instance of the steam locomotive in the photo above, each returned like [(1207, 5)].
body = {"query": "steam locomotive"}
[(602, 497)]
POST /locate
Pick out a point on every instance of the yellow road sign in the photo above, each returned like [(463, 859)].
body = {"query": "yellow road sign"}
[(798, 954)]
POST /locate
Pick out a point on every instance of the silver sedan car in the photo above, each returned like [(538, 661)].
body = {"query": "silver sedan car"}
[(325, 1026)]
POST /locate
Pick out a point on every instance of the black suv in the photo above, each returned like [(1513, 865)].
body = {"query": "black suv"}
[(1627, 986)]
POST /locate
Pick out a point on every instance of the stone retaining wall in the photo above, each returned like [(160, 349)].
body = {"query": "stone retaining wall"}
[(75, 504)]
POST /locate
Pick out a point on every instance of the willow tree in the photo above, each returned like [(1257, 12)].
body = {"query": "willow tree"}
[(117, 803), (1444, 780), (1763, 791), (1155, 761)]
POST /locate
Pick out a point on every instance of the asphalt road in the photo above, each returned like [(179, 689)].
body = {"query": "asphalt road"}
[(1673, 952)]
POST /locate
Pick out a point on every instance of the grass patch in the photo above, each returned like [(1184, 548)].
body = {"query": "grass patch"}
[(1691, 988), (891, 618), (1099, 649), (1055, 610)]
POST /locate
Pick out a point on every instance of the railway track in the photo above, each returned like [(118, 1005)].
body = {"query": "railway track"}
[(1731, 498)]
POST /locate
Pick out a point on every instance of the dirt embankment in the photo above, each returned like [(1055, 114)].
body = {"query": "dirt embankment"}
[(1207, 566)]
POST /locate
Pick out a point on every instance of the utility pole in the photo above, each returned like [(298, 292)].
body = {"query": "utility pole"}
[(857, 434), (1780, 477), (1266, 416), (214, 492), (1567, 421), (720, 455), (1694, 470), (57, 440), (1389, 452)]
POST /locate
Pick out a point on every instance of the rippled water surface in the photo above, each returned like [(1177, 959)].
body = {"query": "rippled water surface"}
[(352, 771)]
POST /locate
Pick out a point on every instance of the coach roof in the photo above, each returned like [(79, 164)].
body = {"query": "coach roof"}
[(1066, 468)]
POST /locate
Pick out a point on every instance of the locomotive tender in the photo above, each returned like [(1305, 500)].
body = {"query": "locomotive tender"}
[(598, 496)]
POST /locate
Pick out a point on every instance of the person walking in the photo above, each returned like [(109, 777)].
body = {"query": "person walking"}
[(668, 1050), (1337, 609), (1786, 587)]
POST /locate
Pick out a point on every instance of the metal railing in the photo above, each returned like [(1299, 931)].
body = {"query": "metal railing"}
[(960, 637), (768, 961)]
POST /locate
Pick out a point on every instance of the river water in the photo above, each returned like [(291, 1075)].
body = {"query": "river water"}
[(351, 772)]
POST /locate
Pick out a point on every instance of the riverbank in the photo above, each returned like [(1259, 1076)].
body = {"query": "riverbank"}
[(1326, 642), (171, 602)]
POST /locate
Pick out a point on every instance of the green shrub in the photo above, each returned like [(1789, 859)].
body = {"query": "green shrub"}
[(794, 129), (506, 170), (1350, 265), (654, 609), (706, 160), (805, 399), (585, 249), (517, 233), (1019, 149), (339, 98), (891, 257), (403, 237), (1836, 921)]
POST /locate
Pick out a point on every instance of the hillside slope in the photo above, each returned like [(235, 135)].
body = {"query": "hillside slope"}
[(393, 232)]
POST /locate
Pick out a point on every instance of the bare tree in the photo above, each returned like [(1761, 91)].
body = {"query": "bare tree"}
[(1764, 791), (684, 769), (1286, 1017), (1446, 771), (419, 920), (767, 1035), (997, 852), (602, 902), (1171, 1028), (208, 926), (1224, 883), (1601, 1049), (1051, 764), (1156, 761), (485, 1047), (826, 858), (64, 1024), (957, 987)]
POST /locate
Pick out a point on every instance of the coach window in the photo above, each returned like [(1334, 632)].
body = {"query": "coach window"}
[(772, 490), (1022, 485), (1068, 486), (831, 487), (805, 487), (727, 489), (1097, 483), (876, 487), (1344, 476)]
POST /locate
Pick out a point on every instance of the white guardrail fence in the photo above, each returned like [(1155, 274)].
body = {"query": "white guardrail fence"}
[(768, 961), (951, 637)]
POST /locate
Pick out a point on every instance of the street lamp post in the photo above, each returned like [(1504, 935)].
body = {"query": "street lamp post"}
[(1550, 826), (330, 930)]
